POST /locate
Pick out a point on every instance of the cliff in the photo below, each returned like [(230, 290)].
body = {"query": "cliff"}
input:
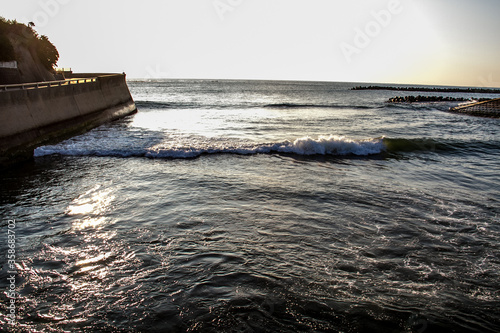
[(35, 55)]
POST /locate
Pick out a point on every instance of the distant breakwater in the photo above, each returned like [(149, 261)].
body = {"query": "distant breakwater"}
[(431, 89), (489, 108), (417, 99), (480, 107), (35, 114)]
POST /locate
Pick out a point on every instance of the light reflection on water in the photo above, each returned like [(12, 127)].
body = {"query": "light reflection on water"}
[(90, 208), (199, 123), (264, 242), (259, 248)]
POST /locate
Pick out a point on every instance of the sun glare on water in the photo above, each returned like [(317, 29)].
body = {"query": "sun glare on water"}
[(90, 206)]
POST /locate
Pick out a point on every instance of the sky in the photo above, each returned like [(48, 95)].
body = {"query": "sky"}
[(438, 42)]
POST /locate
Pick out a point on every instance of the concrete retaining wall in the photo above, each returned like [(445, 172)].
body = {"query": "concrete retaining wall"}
[(9, 75), (31, 116)]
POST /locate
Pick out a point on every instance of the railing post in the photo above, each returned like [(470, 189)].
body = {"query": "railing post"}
[(50, 84)]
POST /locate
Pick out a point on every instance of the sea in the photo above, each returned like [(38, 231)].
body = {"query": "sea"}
[(258, 206)]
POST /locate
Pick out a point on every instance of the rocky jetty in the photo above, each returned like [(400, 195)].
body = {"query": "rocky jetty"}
[(432, 89), (417, 99)]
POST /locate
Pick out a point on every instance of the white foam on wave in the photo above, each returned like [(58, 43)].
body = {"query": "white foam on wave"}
[(323, 145), (333, 145)]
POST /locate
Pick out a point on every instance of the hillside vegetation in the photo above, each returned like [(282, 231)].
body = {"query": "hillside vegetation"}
[(36, 55)]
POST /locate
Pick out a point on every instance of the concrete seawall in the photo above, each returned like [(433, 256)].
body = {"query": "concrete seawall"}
[(489, 108), (35, 114)]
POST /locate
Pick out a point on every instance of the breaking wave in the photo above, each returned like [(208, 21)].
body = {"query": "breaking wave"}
[(306, 146), (324, 145), (332, 145)]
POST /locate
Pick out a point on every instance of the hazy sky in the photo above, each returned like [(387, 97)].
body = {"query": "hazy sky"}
[(448, 42)]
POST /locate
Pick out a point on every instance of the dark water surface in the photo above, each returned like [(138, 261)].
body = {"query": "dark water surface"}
[(236, 206)]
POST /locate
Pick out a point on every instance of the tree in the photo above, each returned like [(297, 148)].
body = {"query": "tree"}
[(6, 49), (28, 37), (47, 52)]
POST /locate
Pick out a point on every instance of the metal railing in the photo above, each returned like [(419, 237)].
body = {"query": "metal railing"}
[(48, 84)]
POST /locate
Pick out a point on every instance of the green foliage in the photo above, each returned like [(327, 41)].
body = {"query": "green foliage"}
[(6, 49), (4, 25), (47, 52)]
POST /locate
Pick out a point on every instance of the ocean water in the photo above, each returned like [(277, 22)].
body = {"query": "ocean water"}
[(258, 206)]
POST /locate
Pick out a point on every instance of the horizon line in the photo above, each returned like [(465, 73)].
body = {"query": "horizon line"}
[(311, 80)]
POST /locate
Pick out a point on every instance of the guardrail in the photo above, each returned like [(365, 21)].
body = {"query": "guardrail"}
[(48, 84)]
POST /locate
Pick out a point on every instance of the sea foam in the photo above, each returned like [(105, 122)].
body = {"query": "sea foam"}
[(323, 145)]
